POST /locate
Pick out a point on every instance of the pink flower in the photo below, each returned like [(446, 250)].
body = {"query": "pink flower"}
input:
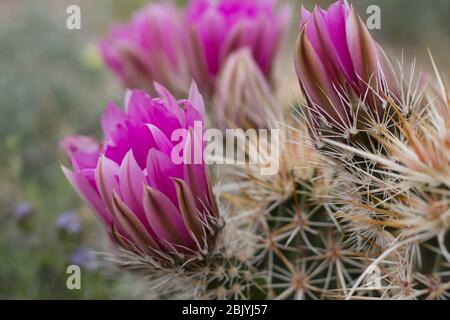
[(218, 28), (149, 48), (148, 203), (171, 46), (337, 61)]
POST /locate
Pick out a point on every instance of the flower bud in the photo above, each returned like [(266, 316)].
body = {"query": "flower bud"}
[(243, 98), (338, 62)]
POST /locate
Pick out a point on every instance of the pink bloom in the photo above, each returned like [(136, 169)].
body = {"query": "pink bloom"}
[(149, 48), (171, 46), (337, 60), (218, 28), (148, 203)]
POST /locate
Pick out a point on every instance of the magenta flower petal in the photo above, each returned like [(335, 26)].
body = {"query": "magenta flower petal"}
[(136, 106), (304, 16), (83, 151), (189, 211), (88, 194), (106, 180), (336, 21), (362, 48), (192, 113), (128, 136), (160, 170), (196, 98), (111, 118), (133, 228), (219, 28), (170, 46), (160, 139), (171, 103), (320, 39), (166, 220), (131, 183), (160, 115), (195, 175), (318, 87)]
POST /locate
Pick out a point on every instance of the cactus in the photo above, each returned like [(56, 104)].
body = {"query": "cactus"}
[(359, 207)]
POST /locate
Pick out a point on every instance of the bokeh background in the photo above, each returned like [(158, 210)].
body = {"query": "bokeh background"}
[(52, 83)]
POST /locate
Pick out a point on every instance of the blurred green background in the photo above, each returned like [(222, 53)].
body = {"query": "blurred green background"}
[(53, 84)]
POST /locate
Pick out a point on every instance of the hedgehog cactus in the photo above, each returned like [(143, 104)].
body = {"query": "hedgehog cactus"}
[(391, 155), (358, 208)]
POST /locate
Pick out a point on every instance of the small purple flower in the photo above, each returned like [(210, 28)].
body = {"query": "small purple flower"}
[(85, 258), (69, 222), (149, 48), (22, 211)]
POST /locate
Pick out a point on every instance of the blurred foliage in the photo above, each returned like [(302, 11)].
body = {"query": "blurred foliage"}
[(53, 84), (49, 90)]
